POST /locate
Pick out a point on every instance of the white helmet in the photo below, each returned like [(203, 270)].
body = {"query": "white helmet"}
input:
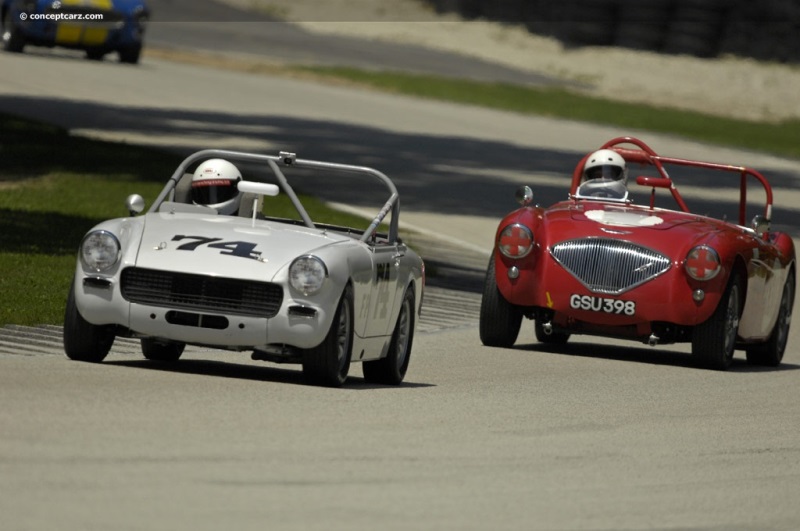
[(214, 184), (605, 164)]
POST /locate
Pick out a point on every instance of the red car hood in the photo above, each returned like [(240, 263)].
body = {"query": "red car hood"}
[(662, 229)]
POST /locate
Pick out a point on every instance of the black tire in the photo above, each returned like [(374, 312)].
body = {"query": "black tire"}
[(130, 54), (554, 338), (695, 29), (770, 353), (392, 369), (13, 40), (586, 22), (499, 320), (328, 363), (469, 9), (167, 351), (714, 341), (642, 25), (84, 341), (95, 55), (502, 10)]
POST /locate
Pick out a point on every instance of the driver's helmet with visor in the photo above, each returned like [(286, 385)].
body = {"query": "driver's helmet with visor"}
[(215, 184), (605, 176)]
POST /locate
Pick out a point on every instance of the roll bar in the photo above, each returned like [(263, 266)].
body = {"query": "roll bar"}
[(274, 162), (646, 155)]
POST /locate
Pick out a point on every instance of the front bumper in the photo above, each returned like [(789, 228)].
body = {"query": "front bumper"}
[(103, 304)]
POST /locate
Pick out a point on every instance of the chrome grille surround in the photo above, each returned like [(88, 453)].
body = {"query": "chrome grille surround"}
[(203, 293), (609, 266)]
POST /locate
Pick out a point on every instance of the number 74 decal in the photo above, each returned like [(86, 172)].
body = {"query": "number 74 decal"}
[(235, 248)]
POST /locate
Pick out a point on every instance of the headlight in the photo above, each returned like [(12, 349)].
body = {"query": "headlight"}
[(515, 241), (100, 250), (702, 263), (307, 274)]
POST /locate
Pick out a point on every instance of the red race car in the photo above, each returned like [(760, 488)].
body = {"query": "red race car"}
[(598, 264)]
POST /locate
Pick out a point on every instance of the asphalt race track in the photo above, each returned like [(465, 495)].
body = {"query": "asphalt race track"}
[(596, 435)]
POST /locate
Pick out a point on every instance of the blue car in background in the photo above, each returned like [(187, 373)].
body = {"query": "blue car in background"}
[(96, 26)]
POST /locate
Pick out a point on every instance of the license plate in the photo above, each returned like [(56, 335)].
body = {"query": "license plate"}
[(602, 304)]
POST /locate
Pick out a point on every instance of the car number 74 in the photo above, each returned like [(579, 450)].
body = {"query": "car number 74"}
[(233, 248), (601, 304)]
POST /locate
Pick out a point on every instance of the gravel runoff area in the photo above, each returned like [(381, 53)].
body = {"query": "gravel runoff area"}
[(727, 86)]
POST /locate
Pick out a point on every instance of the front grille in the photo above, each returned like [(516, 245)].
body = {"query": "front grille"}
[(609, 266), (201, 292)]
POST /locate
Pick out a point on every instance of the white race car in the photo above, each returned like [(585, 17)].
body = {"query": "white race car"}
[(289, 290)]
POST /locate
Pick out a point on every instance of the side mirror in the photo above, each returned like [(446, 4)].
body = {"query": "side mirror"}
[(135, 204), (760, 224), (524, 195)]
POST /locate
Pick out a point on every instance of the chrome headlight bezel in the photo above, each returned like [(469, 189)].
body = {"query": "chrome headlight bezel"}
[(307, 274), (517, 249), (100, 251), (702, 263)]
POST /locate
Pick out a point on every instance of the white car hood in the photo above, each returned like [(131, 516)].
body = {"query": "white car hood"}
[(225, 246)]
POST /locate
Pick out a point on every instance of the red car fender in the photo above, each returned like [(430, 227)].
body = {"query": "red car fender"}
[(529, 217), (785, 245)]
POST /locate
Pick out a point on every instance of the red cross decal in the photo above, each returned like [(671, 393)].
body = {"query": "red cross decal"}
[(516, 242), (702, 262)]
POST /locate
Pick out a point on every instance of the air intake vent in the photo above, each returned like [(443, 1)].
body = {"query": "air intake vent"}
[(201, 293), (609, 266)]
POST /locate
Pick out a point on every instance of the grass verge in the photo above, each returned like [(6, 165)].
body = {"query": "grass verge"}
[(53, 188)]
